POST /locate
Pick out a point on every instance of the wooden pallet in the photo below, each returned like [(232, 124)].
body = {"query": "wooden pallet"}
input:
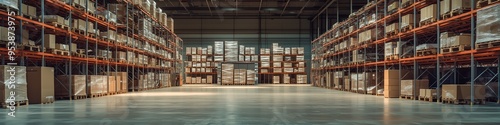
[(482, 3), (407, 4), (426, 52), (96, 95), (81, 32), (59, 52), (458, 11), (31, 17), (75, 97), (392, 57), (452, 49), (429, 99), (78, 55), (392, 33), (122, 61), (32, 48), (463, 101), (410, 97), (17, 104), (427, 21), (112, 93), (379, 94), (407, 28), (62, 26), (485, 45)]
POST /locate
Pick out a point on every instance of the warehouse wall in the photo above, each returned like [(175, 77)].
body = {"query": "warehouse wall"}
[(286, 32)]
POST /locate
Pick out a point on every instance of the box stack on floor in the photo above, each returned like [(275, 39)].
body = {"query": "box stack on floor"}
[(200, 65)]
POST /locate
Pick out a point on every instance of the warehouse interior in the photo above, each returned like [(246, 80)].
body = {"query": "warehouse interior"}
[(277, 62)]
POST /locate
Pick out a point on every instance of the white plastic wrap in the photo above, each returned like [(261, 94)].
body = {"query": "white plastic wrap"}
[(426, 46), (10, 3), (227, 73), (277, 58), (20, 83), (231, 50), (111, 17), (488, 24)]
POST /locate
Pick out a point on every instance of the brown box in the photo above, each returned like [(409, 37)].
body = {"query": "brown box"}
[(430, 93), (408, 20), (54, 19), (77, 85), (112, 86), (28, 10), (462, 39), (40, 84), (97, 84), (422, 93), (460, 4), (209, 79), (62, 47), (428, 13), (394, 27), (445, 6), (393, 6), (407, 86), (394, 74), (170, 24), (347, 82), (462, 91), (391, 91), (50, 41)]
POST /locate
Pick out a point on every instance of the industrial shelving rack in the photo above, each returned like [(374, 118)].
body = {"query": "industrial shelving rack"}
[(440, 68), (210, 70), (71, 65)]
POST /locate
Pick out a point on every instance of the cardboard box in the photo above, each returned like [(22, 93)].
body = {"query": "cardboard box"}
[(460, 4), (407, 86), (445, 6), (62, 47), (391, 91), (462, 39), (393, 6), (347, 82), (170, 24), (277, 70), (408, 20), (428, 13), (112, 86), (210, 79), (97, 84), (462, 91), (276, 79), (49, 41), (40, 84), (77, 85), (54, 19)]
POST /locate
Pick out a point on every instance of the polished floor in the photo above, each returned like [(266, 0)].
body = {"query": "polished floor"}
[(249, 105)]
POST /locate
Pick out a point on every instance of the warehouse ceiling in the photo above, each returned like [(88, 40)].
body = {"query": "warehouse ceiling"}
[(305, 9)]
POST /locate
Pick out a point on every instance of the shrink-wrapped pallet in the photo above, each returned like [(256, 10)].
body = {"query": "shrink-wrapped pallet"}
[(488, 24), (231, 51), (18, 85)]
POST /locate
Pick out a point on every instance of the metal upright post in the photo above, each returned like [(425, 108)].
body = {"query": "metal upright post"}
[(438, 65), (376, 52), (43, 29), (498, 78), (415, 64), (472, 60)]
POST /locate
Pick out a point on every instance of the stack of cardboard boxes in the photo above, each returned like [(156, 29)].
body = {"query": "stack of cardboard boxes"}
[(392, 82)]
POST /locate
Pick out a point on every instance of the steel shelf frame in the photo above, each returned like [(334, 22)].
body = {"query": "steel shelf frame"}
[(442, 66), (69, 65)]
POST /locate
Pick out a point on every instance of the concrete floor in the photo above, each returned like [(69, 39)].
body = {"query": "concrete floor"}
[(249, 105)]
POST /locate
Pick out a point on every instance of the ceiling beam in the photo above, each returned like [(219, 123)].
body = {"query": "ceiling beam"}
[(208, 6), (184, 7), (302, 9), (260, 5), (324, 8), (284, 8)]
